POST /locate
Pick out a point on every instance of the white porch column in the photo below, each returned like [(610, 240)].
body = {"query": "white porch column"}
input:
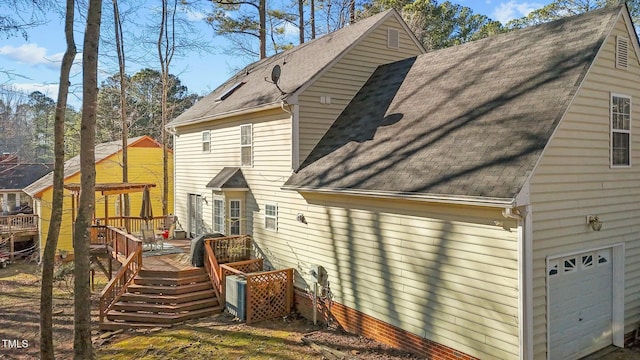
[(4, 202)]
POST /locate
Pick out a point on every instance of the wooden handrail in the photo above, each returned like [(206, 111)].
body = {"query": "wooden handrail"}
[(128, 271), (213, 270)]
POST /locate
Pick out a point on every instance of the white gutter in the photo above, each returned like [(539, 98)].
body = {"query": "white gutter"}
[(269, 106), (449, 199)]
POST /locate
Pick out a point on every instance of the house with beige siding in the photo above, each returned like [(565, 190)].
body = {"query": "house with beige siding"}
[(478, 201)]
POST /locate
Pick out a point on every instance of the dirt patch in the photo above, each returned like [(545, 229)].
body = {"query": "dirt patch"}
[(218, 336)]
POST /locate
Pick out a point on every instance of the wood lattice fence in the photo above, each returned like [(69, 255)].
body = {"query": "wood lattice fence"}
[(269, 294)]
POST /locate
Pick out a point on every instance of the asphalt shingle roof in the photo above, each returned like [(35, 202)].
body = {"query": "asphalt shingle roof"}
[(19, 176), (228, 178), (299, 65), (467, 121)]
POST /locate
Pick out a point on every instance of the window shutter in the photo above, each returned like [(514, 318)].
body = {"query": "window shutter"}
[(622, 52), (393, 38)]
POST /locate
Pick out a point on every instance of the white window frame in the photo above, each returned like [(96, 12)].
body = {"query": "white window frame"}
[(233, 219), (219, 218), (206, 141), (244, 144), (614, 130), (274, 217)]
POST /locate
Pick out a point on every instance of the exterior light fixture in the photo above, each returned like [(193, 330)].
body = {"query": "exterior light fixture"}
[(594, 222), (300, 217)]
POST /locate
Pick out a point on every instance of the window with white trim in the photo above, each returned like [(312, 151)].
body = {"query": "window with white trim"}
[(246, 145), (218, 215), (234, 217), (206, 141), (620, 130), (271, 217)]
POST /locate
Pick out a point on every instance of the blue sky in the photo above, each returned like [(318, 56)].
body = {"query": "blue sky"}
[(34, 64)]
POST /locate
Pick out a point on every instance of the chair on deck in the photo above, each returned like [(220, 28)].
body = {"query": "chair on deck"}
[(149, 237)]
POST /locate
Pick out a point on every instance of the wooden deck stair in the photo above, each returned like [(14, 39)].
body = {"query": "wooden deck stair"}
[(159, 298)]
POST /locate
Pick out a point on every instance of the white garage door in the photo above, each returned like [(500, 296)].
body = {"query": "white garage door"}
[(580, 304)]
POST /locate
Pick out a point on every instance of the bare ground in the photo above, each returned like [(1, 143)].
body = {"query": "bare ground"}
[(213, 337)]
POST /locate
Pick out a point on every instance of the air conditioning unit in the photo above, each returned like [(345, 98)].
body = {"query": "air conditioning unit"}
[(236, 296)]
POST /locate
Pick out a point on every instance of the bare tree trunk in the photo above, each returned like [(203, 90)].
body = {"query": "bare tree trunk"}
[(166, 49), (352, 11), (262, 10), (123, 101), (48, 257), (82, 347), (301, 18), (312, 18)]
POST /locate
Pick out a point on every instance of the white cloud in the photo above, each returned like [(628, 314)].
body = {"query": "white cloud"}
[(291, 30), (195, 15), (514, 9), (32, 54), (50, 90)]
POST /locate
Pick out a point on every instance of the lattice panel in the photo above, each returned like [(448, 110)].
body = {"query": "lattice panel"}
[(247, 267), (268, 295), (232, 249)]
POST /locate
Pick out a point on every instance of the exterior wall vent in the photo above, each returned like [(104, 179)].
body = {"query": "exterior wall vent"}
[(393, 38), (622, 52)]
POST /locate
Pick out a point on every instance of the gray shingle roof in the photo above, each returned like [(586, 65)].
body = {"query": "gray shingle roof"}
[(299, 65), (72, 166), (19, 176), (228, 178), (467, 121)]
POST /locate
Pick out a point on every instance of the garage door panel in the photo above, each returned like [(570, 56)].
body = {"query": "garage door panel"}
[(580, 304)]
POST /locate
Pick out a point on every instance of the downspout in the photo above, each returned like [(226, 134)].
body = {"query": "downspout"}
[(525, 278), (295, 153)]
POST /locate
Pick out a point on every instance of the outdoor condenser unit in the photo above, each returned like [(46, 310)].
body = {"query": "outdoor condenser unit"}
[(236, 296)]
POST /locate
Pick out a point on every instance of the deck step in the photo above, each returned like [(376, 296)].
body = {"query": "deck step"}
[(171, 273), (168, 290), (117, 325), (168, 299), (171, 281), (129, 306), (168, 319), (162, 298)]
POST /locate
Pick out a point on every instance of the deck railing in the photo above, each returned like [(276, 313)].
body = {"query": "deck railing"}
[(269, 293), (131, 248), (22, 222), (212, 268), (136, 224)]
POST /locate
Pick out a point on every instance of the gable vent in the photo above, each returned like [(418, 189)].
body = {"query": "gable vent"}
[(622, 52), (393, 38)]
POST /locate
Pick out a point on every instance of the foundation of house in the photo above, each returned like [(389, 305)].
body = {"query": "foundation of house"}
[(355, 322)]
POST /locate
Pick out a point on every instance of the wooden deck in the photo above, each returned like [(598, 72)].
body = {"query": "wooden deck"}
[(166, 290), (19, 225), (17, 228), (169, 262)]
